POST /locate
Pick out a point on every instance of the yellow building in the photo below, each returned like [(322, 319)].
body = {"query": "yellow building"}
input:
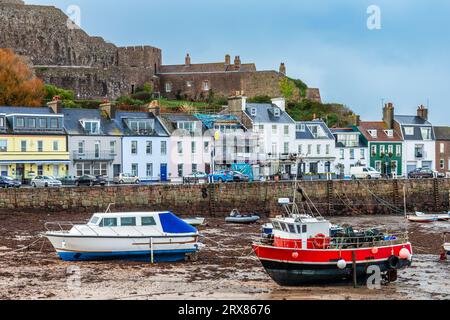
[(32, 142)]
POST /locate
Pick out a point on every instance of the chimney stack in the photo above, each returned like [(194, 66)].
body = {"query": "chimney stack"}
[(237, 62), (154, 108), (280, 103), (187, 61), (422, 112), (108, 109), (283, 68), (237, 104), (388, 115), (357, 120), (227, 60), (55, 105)]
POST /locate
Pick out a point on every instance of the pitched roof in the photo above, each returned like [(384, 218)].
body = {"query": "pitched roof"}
[(411, 120), (73, 126), (442, 133), (264, 114), (380, 126), (308, 135), (159, 130), (26, 110), (170, 120), (206, 68)]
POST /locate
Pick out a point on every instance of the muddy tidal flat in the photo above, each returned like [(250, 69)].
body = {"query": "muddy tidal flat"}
[(226, 269)]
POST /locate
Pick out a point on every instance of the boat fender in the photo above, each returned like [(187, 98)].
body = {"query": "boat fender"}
[(405, 254), (342, 264), (393, 262), (374, 250), (204, 193), (295, 255)]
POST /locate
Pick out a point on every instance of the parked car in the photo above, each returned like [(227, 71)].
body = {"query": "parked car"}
[(364, 173), (240, 177), (68, 181), (45, 182), (91, 181), (8, 182), (421, 173), (222, 176), (196, 177), (125, 178)]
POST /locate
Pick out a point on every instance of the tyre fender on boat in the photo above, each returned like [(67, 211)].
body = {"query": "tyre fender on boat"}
[(393, 262), (320, 241)]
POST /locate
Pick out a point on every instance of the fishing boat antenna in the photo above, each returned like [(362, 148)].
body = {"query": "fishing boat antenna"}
[(108, 210)]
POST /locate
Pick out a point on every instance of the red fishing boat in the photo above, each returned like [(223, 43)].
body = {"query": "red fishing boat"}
[(306, 249)]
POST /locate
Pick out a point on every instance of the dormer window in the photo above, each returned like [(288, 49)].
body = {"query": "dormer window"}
[(409, 131), (189, 126), (426, 133), (276, 112), (20, 122), (389, 133), (253, 112), (300, 128), (373, 133), (2, 122), (141, 126), (91, 127)]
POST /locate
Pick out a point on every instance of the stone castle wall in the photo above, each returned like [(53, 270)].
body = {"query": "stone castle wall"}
[(333, 198), (222, 84), (98, 69)]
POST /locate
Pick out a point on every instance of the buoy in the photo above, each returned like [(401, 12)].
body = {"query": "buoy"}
[(374, 250), (295, 255), (342, 264), (405, 254)]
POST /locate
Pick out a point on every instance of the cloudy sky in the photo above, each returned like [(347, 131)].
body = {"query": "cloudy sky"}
[(326, 43)]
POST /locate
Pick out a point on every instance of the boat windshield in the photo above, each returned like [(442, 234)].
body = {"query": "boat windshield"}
[(94, 220)]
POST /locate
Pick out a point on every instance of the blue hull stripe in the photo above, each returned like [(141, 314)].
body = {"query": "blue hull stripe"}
[(158, 256)]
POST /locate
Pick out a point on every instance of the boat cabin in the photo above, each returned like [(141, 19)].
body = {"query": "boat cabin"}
[(300, 230), (132, 222)]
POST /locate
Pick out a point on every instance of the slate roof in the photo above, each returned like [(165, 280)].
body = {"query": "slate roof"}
[(159, 130), (205, 68), (73, 126), (380, 126), (307, 134), (169, 120), (264, 114), (26, 110), (442, 133), (411, 120)]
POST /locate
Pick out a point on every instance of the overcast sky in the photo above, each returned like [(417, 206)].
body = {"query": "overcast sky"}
[(326, 43)]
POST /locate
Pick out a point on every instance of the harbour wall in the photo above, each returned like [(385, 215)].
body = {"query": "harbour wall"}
[(332, 198)]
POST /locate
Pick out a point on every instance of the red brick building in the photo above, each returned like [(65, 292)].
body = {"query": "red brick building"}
[(442, 149)]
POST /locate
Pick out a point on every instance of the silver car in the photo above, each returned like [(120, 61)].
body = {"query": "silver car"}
[(125, 178), (45, 182)]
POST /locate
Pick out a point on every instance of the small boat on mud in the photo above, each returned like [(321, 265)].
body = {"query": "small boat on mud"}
[(421, 217), (237, 217), (195, 222), (138, 236), (303, 251)]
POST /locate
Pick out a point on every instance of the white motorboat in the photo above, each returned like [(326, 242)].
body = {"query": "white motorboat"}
[(147, 236), (195, 222), (422, 217)]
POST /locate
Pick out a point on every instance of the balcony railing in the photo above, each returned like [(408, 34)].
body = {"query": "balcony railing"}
[(94, 156)]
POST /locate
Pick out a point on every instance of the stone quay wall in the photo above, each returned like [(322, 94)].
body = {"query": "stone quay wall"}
[(332, 198)]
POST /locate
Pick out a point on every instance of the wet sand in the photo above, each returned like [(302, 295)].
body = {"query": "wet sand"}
[(226, 269)]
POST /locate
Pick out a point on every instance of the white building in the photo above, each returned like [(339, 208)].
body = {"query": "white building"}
[(145, 146), (419, 140), (315, 145), (94, 142), (351, 151), (190, 146), (277, 134)]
